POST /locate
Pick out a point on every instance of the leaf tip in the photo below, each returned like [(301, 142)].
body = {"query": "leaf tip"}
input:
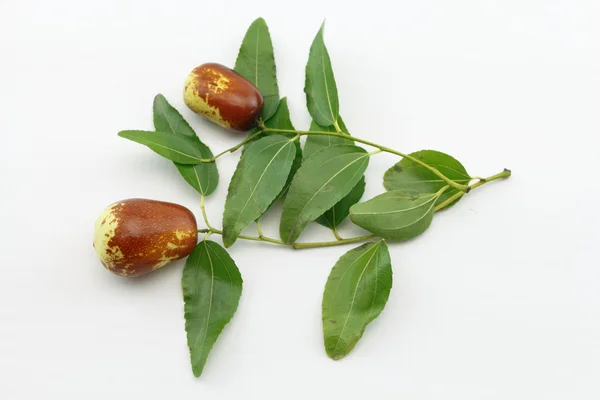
[(228, 241), (197, 370), (335, 355)]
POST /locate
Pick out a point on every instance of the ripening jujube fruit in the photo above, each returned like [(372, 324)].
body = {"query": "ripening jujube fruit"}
[(223, 96), (136, 236)]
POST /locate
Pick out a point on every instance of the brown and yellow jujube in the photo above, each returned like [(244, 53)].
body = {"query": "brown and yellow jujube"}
[(136, 236), (223, 96)]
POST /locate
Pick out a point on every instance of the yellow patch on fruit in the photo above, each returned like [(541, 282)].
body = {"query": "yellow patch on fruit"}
[(164, 260), (220, 84), (199, 104), (181, 235), (104, 231)]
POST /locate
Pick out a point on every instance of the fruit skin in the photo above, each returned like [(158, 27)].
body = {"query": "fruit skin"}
[(223, 96), (135, 236)]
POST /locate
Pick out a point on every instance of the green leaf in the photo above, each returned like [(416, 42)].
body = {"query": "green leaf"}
[(295, 167), (175, 148), (322, 181), (259, 177), (320, 88), (396, 215), (168, 120), (333, 217), (203, 177), (355, 294), (315, 143), (409, 176), (212, 286), (256, 62), (336, 214), (281, 120)]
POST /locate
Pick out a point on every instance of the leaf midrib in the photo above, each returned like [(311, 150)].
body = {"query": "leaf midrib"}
[(397, 211), (175, 151), (395, 228)]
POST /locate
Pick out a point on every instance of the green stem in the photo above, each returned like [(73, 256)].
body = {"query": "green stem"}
[(462, 188), (232, 149), (292, 245), (333, 243), (336, 234), (481, 181), (258, 228), (337, 127), (204, 216)]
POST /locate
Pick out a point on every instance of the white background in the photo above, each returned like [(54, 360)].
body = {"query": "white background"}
[(500, 299)]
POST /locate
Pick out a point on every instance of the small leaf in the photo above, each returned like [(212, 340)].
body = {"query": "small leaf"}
[(175, 148), (333, 217), (322, 181), (396, 215), (168, 120), (256, 62), (409, 176), (212, 286), (203, 177), (315, 143), (320, 88), (355, 294), (259, 177)]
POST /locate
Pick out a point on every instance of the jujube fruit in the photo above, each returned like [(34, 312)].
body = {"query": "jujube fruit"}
[(223, 96), (136, 236)]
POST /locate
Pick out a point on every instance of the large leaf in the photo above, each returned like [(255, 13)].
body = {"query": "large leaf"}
[(212, 286), (259, 177), (256, 63), (203, 177), (333, 217), (355, 294), (408, 175), (396, 215), (281, 120), (320, 88), (322, 181), (336, 214), (176, 148), (315, 143)]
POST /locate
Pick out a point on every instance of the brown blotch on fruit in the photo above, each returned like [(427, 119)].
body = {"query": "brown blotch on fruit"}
[(136, 236), (223, 96)]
